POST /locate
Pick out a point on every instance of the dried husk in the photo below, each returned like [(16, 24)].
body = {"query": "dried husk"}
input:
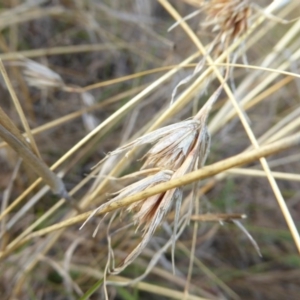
[(178, 149)]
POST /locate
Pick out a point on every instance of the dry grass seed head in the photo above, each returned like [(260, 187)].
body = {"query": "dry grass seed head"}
[(172, 145), (230, 18), (152, 210), (179, 149), (190, 147), (172, 149), (40, 76), (155, 210), (148, 212)]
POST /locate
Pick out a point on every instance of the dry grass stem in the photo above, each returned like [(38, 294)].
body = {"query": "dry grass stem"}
[(245, 123), (217, 217), (19, 109), (203, 173), (86, 78)]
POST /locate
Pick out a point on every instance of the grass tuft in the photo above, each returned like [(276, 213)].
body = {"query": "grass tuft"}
[(192, 109)]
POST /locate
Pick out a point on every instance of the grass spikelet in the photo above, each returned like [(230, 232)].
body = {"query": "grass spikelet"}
[(179, 149), (40, 76), (229, 19)]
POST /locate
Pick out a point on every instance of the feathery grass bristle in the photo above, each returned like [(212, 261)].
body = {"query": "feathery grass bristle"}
[(227, 20)]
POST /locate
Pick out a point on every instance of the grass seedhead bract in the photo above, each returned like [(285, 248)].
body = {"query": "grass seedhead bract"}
[(178, 149), (40, 76), (171, 150), (227, 19)]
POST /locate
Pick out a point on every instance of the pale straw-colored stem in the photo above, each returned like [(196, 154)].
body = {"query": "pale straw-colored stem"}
[(276, 190), (19, 109), (200, 174)]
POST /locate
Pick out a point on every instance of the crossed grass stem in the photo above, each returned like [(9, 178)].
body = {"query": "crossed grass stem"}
[(178, 149), (227, 20)]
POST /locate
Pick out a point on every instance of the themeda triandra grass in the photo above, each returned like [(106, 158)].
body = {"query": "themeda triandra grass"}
[(178, 149), (39, 231), (227, 20)]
